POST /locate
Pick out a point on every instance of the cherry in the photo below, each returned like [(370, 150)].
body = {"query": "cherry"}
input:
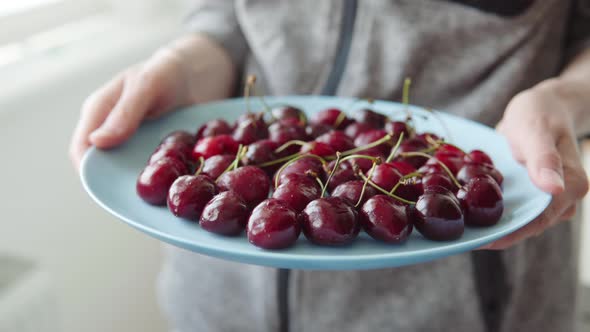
[(356, 128), (370, 137), (385, 219), (411, 191), (288, 112), (430, 168), (438, 179), (303, 166), (297, 194), (386, 176), (273, 225), (330, 117), (249, 132), (282, 133), (225, 214), (479, 157), (437, 216), (471, 170), (216, 145), (403, 167), (370, 117), (256, 118), (317, 148), (155, 180), (428, 138), (177, 150), (396, 128), (179, 136), (316, 130), (189, 194), (412, 145), (216, 165), (344, 173), (330, 221), (481, 199), (214, 128), (450, 156), (261, 152), (301, 179), (351, 191), (249, 182), (365, 164), (337, 140), (450, 149)]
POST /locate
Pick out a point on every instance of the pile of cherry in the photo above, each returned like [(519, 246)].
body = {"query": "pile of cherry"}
[(330, 177)]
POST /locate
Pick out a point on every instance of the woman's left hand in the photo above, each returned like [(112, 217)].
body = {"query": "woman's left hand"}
[(540, 130)]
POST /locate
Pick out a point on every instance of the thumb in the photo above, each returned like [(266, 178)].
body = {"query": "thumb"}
[(543, 162)]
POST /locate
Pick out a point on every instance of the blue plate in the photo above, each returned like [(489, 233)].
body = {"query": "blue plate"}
[(109, 177)]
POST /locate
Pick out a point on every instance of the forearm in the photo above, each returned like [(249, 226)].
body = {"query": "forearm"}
[(572, 86)]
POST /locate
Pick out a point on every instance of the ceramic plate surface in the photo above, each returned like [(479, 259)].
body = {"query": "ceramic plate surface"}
[(109, 177)]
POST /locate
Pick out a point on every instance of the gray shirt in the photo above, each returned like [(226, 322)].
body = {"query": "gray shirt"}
[(468, 57)]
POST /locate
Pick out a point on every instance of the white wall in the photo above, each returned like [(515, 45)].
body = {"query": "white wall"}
[(104, 271)]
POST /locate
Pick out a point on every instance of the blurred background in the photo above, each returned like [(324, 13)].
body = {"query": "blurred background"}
[(65, 264)]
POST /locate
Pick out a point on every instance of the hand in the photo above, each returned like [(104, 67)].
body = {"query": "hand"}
[(192, 70), (539, 127)]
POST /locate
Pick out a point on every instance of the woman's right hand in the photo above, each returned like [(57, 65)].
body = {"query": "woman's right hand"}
[(191, 70)]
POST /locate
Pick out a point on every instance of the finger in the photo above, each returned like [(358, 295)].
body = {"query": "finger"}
[(569, 213), (123, 121), (543, 162), (94, 111)]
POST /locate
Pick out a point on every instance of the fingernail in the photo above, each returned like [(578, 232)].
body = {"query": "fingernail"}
[(553, 177)]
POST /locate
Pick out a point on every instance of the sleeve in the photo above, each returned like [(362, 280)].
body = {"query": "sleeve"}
[(217, 19), (578, 37)]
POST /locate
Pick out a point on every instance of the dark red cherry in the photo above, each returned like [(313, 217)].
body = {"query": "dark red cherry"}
[(317, 148), (249, 182), (370, 137), (412, 145), (155, 180), (385, 219), (249, 132), (273, 225), (214, 128), (257, 118), (481, 199), (450, 149), (370, 117), (351, 192), (289, 112), (386, 176), (438, 217), (337, 140), (452, 160), (471, 170), (301, 179), (261, 152), (303, 166), (216, 165), (330, 221), (428, 138), (430, 168), (316, 130), (365, 164), (297, 194), (403, 167), (344, 173), (177, 150), (479, 157), (281, 133), (189, 194), (354, 129), (179, 136), (438, 179), (411, 190), (212, 146), (225, 214), (330, 117), (396, 128)]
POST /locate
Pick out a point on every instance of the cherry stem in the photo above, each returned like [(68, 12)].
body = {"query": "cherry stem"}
[(368, 146), (280, 160), (288, 144), (339, 119), (376, 186), (447, 170), (336, 164), (394, 150), (365, 184), (234, 164), (406, 96), (280, 170), (403, 179), (250, 81), (361, 156), (201, 164)]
